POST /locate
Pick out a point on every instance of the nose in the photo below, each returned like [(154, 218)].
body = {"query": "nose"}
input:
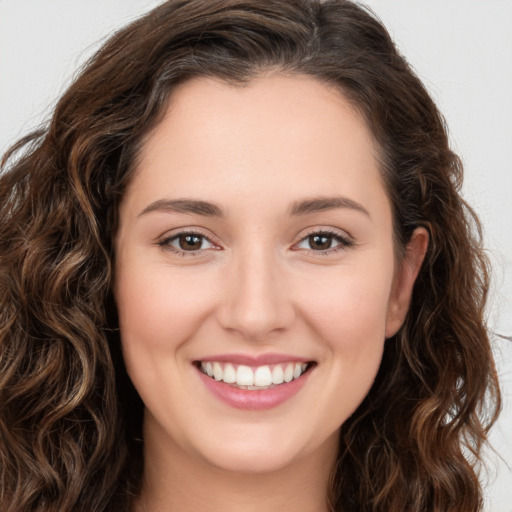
[(256, 299)]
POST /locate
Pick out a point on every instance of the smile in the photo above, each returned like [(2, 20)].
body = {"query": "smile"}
[(245, 383), (253, 378)]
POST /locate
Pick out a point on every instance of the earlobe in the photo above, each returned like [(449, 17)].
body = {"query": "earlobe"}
[(404, 279)]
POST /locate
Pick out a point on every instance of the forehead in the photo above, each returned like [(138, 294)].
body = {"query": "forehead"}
[(285, 135)]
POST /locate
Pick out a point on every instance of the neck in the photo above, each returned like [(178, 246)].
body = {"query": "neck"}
[(177, 480)]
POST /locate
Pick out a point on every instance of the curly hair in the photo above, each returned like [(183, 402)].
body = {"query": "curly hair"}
[(70, 421)]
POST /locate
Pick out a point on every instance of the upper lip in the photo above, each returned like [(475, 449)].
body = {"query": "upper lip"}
[(256, 359)]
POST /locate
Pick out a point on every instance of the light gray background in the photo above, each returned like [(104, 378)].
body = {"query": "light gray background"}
[(462, 50)]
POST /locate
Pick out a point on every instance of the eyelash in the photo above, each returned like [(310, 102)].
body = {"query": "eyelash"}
[(166, 243), (343, 243)]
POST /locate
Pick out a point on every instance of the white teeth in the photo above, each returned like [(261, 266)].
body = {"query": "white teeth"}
[(217, 371), (277, 375), (229, 374), (288, 373), (263, 376), (244, 376)]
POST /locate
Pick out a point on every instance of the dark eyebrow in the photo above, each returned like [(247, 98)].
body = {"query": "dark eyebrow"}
[(184, 206), (319, 204), (208, 209)]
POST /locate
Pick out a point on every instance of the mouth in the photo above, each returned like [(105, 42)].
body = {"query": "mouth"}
[(254, 378)]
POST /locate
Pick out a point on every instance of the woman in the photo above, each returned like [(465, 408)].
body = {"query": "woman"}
[(239, 274)]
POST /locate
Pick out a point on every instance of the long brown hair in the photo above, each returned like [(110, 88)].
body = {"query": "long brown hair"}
[(70, 420)]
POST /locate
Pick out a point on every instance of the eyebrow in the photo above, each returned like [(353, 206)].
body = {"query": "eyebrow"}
[(192, 206), (207, 209), (320, 204)]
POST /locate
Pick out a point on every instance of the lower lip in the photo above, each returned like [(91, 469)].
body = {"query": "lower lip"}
[(254, 400)]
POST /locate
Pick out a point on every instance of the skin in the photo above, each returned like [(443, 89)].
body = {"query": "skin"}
[(256, 285)]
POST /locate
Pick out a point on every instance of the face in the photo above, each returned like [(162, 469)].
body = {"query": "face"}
[(256, 277)]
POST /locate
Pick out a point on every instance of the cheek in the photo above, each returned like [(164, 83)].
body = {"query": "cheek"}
[(352, 329), (157, 308), (346, 315), (158, 315), (348, 307)]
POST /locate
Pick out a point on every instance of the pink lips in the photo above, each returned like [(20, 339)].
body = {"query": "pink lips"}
[(254, 399)]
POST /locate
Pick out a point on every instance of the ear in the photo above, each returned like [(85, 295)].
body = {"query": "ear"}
[(403, 281)]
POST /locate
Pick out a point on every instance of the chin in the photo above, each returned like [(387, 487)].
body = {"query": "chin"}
[(260, 449), (251, 459)]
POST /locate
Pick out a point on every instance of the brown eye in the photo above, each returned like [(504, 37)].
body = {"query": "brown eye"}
[(320, 242), (190, 242), (187, 242)]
